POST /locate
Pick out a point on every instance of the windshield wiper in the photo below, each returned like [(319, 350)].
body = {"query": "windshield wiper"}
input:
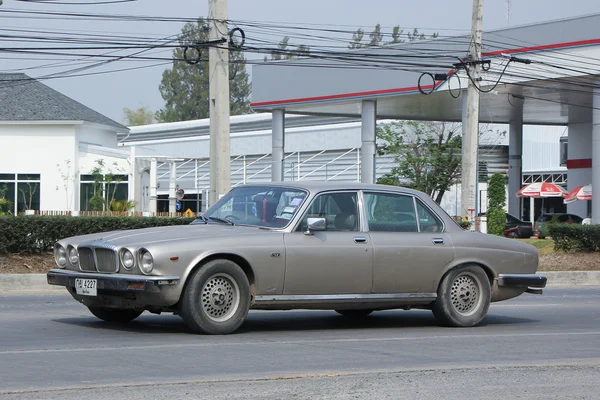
[(222, 220)]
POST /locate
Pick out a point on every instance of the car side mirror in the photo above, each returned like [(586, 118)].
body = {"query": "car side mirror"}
[(315, 224)]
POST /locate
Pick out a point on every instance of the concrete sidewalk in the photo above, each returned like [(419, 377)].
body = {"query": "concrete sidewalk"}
[(36, 283)]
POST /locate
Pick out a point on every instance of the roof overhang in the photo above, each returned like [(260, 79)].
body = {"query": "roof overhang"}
[(556, 87)]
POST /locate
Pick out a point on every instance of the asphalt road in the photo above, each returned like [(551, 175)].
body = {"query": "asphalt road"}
[(532, 347)]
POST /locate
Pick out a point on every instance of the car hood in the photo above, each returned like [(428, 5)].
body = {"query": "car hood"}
[(165, 234)]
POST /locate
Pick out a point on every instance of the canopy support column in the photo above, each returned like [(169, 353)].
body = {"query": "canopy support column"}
[(367, 149)]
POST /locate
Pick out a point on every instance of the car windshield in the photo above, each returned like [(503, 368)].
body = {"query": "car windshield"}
[(263, 206)]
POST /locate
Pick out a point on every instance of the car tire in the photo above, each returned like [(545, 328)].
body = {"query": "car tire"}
[(216, 299), (463, 297), (355, 313), (513, 235), (115, 314)]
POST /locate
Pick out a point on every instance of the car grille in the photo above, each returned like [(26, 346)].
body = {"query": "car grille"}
[(98, 259), (86, 259)]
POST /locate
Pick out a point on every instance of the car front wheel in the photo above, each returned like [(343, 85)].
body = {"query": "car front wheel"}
[(216, 299), (463, 297), (115, 314)]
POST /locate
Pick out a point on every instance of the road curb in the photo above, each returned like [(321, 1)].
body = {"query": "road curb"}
[(570, 278), (27, 283), (30, 283)]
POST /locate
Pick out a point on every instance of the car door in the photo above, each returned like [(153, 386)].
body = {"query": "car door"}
[(410, 246), (337, 260)]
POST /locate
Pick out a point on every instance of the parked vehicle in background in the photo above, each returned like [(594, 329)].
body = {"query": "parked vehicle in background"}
[(516, 228), (544, 220)]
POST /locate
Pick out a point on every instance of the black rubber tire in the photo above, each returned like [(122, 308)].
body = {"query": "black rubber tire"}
[(465, 287), (115, 314), (513, 235), (355, 313), (211, 281)]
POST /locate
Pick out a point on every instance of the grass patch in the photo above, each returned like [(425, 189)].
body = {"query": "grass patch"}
[(544, 246)]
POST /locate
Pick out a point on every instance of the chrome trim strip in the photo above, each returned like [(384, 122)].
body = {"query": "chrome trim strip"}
[(345, 297), (159, 280)]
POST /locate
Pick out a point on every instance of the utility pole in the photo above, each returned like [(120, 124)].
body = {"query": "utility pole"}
[(470, 144), (218, 70)]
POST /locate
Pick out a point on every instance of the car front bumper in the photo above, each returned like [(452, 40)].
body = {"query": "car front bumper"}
[(112, 282)]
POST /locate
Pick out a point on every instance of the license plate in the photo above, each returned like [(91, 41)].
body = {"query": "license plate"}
[(86, 287)]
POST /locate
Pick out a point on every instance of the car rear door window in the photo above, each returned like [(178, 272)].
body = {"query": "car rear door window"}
[(388, 212)]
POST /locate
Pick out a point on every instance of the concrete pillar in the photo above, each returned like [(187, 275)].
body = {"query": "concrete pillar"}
[(596, 155), (278, 140), (515, 157), (153, 182), (367, 149), (173, 188), (579, 171), (133, 183)]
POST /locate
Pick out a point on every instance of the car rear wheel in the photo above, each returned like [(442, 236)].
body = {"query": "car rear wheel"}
[(463, 297), (216, 299), (512, 235), (115, 314), (355, 313)]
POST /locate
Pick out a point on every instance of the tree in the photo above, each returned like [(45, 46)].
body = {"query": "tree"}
[(141, 116), (376, 37), (105, 189), (496, 217), (427, 155), (283, 52), (185, 87)]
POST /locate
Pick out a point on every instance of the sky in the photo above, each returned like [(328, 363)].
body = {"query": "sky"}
[(109, 93)]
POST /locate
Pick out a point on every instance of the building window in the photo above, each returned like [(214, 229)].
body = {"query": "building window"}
[(19, 192), (103, 192)]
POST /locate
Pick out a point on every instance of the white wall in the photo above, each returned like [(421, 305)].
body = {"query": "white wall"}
[(97, 135), (47, 150), (580, 147)]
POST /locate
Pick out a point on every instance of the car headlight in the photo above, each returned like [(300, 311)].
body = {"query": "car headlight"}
[(146, 261), (127, 259), (60, 256), (73, 255)]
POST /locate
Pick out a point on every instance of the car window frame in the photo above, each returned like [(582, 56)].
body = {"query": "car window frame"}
[(399, 193), (308, 205)]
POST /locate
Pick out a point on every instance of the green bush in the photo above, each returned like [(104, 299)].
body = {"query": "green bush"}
[(496, 221), (575, 237), (37, 234), (496, 217)]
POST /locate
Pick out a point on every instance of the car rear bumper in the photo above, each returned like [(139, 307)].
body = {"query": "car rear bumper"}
[(522, 280), (112, 282)]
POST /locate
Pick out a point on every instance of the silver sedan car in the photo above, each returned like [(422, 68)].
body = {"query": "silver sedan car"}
[(352, 248)]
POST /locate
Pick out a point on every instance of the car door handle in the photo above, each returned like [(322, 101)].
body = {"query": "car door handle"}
[(360, 239), (437, 241)]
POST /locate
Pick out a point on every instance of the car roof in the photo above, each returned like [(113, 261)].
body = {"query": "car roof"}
[(316, 186)]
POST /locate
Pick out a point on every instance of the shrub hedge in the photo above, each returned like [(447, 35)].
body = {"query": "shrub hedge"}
[(574, 237), (37, 234)]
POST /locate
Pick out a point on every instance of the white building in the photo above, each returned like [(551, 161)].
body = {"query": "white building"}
[(47, 142)]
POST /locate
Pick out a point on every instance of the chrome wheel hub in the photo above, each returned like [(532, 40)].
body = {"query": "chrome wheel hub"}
[(466, 294), (220, 297)]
